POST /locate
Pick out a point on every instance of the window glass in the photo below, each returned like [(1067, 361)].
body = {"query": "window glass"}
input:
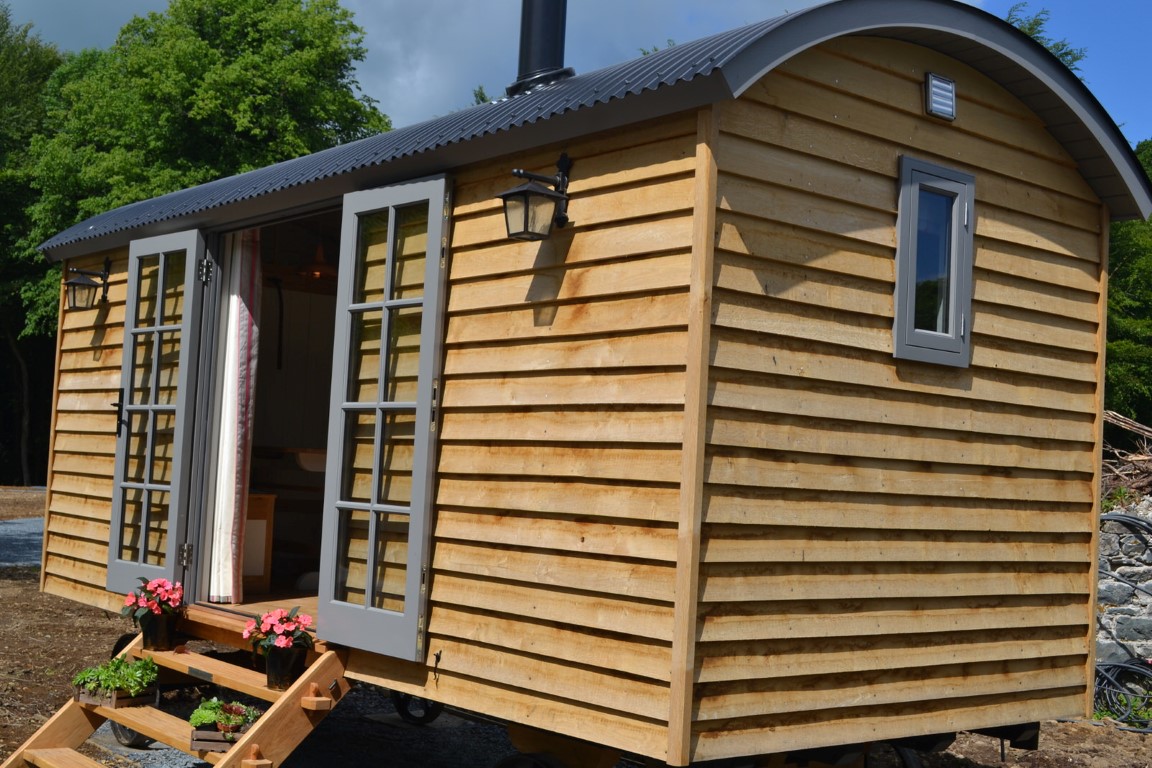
[(933, 261)]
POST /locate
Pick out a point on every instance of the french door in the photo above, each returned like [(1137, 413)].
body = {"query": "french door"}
[(161, 349), (378, 489)]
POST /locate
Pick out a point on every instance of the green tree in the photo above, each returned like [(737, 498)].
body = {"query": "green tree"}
[(1034, 25), (26, 63), (1128, 368), (207, 89)]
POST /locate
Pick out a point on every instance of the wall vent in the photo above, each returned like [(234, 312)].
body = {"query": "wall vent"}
[(940, 96)]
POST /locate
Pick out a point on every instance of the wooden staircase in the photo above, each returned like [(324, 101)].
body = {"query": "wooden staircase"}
[(267, 743)]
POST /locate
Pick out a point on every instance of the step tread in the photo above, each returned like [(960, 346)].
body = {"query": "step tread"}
[(155, 724), (218, 671), (59, 757)]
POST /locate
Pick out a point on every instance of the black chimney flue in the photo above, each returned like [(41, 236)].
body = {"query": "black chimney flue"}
[(541, 44)]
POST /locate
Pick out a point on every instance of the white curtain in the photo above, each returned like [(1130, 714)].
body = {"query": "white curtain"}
[(236, 388)]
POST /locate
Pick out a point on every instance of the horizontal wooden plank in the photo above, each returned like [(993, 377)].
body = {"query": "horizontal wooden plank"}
[(774, 281), (809, 210), (564, 250), (573, 461), (852, 476), (564, 496), (599, 612), (829, 509), (722, 583), (719, 662), (823, 618), (102, 423), (935, 140), (1036, 298), (844, 438), (612, 424), (605, 318), (82, 591), (814, 250), (582, 685), (748, 119), (894, 79), (606, 159), (603, 575), (745, 699), (613, 729), (748, 544), (96, 530), (83, 464), (94, 487), (98, 401), (828, 360), (82, 571), (644, 540), (633, 275), (672, 195), (106, 379), (630, 656), (1019, 325), (590, 388), (797, 396), (633, 350), (835, 726)]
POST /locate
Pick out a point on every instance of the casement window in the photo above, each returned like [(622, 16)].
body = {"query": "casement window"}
[(934, 250)]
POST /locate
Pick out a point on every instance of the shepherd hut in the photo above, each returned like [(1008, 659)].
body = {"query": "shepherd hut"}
[(785, 436)]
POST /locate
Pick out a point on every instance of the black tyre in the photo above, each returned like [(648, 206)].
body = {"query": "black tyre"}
[(415, 710)]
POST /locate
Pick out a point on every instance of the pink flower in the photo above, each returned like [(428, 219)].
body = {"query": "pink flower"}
[(282, 641), (304, 620), (130, 601)]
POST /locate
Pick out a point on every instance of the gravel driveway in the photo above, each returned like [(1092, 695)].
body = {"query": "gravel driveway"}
[(20, 541)]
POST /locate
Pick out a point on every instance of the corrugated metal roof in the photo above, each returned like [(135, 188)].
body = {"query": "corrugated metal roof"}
[(740, 57)]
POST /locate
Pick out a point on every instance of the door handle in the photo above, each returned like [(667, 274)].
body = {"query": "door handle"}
[(119, 406)]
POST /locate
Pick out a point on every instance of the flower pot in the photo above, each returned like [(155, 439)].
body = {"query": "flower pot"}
[(283, 665), (115, 699), (159, 631)]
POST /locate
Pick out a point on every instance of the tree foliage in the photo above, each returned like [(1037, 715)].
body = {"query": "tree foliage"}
[(1129, 364), (207, 89), (1034, 27)]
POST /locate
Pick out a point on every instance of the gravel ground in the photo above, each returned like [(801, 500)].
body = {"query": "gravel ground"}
[(20, 541)]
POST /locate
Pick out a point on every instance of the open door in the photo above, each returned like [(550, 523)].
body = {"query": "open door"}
[(378, 490), (161, 348)]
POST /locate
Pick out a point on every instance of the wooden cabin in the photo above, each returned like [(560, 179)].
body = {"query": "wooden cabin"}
[(789, 438)]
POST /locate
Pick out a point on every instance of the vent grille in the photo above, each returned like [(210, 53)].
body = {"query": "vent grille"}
[(940, 96)]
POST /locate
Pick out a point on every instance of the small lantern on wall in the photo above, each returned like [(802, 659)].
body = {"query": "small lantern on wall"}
[(531, 209), (81, 290)]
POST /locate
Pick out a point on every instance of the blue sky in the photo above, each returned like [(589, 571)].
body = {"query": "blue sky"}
[(426, 57)]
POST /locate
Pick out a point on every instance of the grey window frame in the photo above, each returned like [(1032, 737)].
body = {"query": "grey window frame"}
[(953, 347), (398, 634)]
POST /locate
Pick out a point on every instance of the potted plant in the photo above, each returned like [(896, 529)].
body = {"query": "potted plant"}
[(117, 682), (154, 606), (216, 724), (282, 637)]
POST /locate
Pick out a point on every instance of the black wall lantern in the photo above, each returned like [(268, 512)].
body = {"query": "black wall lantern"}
[(82, 289), (531, 209)]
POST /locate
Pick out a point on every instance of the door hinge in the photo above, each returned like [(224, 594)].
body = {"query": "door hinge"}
[(204, 270), (435, 404), (184, 557)]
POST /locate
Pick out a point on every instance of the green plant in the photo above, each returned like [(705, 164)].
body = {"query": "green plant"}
[(1119, 497), (118, 674), (227, 717)]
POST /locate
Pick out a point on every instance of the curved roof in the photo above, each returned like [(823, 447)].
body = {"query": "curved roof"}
[(679, 77)]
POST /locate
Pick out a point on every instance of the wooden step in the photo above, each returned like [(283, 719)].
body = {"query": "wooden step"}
[(155, 724), (59, 757), (213, 670)]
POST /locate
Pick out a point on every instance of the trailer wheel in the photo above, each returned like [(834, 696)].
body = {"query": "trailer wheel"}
[(415, 710), (125, 735)]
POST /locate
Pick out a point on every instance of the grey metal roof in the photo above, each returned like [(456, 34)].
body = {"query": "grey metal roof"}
[(679, 77)]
